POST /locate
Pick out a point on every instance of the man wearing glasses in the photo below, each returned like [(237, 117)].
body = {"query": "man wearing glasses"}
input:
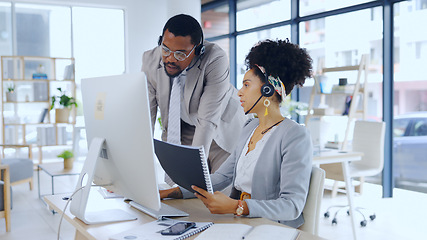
[(188, 80)]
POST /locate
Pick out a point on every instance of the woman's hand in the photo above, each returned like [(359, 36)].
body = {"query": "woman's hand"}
[(217, 203), (171, 193)]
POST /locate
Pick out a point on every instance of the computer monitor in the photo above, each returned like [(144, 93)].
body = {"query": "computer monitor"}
[(121, 153)]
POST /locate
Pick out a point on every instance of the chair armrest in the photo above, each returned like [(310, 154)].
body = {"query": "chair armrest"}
[(30, 149), (5, 177), (4, 174)]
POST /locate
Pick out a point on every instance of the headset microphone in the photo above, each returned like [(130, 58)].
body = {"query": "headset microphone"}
[(198, 58), (246, 113)]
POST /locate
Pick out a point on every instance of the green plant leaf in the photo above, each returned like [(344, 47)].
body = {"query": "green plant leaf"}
[(66, 154), (11, 87), (64, 100)]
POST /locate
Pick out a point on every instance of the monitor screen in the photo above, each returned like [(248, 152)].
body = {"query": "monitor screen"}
[(118, 127)]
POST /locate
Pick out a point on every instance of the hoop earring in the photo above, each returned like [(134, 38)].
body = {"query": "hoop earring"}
[(266, 104)]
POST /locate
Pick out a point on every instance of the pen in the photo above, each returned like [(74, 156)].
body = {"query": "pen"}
[(247, 233)]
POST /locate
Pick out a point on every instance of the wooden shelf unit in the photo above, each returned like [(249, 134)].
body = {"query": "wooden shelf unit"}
[(359, 92), (17, 71)]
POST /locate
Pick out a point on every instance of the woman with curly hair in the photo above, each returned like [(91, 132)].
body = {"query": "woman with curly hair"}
[(271, 166)]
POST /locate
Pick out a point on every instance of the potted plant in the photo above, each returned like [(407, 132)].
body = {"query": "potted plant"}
[(68, 157), (62, 114), (11, 93)]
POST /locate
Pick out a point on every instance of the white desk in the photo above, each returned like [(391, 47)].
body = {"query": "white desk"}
[(198, 212), (343, 157)]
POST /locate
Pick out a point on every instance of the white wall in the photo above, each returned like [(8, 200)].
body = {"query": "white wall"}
[(190, 7), (144, 20), (145, 24)]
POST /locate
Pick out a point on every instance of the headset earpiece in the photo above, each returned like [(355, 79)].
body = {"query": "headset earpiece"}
[(160, 40), (199, 50), (267, 90)]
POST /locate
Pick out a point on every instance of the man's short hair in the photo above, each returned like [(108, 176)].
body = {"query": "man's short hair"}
[(184, 25)]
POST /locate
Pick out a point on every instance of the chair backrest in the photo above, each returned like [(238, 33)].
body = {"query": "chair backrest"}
[(368, 138), (311, 210)]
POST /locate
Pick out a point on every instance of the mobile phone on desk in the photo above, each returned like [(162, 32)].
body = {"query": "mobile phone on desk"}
[(178, 228)]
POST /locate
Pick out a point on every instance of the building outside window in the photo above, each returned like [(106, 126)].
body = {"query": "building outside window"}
[(43, 30), (216, 22), (410, 96), (246, 41), (255, 13), (308, 7)]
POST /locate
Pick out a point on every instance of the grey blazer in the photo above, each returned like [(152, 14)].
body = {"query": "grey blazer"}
[(281, 176), (207, 92)]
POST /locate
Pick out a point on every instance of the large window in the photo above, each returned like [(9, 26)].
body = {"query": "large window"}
[(215, 22), (338, 33), (5, 29), (95, 37), (43, 30), (255, 13), (247, 41), (410, 96), (308, 7), (339, 41)]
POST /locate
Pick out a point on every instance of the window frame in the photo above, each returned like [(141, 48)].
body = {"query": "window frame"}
[(388, 53)]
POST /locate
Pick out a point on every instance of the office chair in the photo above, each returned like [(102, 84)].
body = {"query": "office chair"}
[(5, 195), (368, 138), (311, 211), (20, 169)]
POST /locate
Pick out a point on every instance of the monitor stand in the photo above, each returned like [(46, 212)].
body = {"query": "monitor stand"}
[(81, 197)]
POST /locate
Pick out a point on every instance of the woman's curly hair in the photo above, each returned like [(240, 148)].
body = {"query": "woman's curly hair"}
[(281, 58)]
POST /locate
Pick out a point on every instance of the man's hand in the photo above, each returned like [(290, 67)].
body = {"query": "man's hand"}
[(217, 203), (171, 193)]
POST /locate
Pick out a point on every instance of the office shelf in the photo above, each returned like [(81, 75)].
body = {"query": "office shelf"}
[(357, 92), (34, 81)]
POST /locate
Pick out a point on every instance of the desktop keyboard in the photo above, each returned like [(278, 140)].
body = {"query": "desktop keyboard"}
[(165, 210)]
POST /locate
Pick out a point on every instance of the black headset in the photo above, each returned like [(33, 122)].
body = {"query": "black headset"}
[(198, 51), (267, 90)]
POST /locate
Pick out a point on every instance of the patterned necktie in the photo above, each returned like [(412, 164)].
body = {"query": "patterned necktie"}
[(174, 120)]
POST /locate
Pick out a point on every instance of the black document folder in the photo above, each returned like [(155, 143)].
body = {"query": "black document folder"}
[(185, 165)]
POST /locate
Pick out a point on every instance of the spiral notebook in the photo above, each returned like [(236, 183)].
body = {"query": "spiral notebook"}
[(151, 231), (185, 165)]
